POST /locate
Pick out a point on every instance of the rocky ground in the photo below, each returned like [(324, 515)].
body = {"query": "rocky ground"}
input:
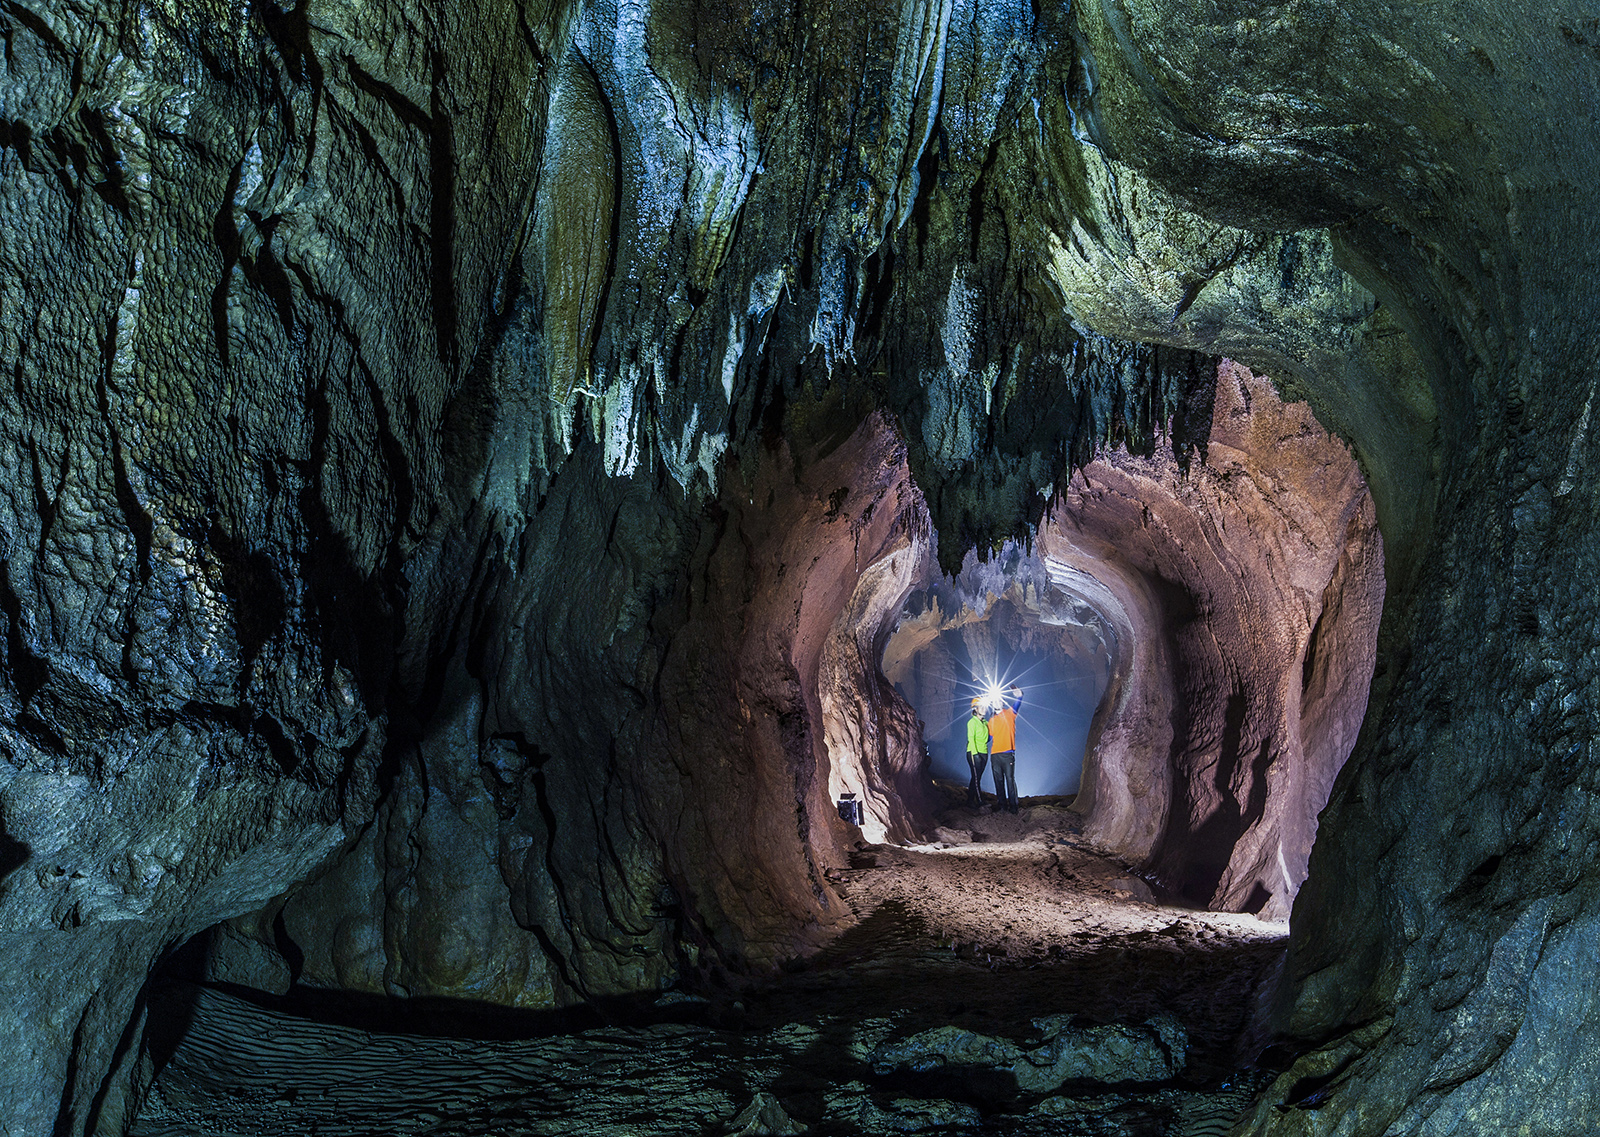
[(1002, 979), (1054, 922)]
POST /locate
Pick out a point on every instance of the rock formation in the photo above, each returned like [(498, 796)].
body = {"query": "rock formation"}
[(1231, 608), (1245, 594), (461, 464)]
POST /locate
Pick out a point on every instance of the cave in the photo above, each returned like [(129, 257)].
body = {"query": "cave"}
[(1197, 643), (501, 504), (949, 648)]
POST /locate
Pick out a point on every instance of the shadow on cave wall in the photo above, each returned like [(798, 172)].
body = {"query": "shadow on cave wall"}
[(1208, 847)]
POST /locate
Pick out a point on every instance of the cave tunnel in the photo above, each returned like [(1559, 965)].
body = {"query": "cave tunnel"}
[(481, 483), (1195, 645), (1057, 650)]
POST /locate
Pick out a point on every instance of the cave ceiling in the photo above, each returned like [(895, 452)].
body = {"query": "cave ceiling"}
[(439, 443)]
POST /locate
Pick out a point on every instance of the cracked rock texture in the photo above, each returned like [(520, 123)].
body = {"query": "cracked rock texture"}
[(458, 464), (1151, 1052)]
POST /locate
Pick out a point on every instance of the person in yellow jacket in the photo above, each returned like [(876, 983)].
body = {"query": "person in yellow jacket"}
[(977, 752), (1003, 750)]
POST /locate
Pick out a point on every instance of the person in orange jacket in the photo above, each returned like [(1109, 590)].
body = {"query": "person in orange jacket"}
[(1003, 750)]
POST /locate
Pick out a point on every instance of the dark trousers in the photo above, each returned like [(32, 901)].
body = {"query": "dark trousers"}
[(976, 762), (1005, 778)]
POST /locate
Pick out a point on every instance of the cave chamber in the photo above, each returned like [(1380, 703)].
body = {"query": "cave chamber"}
[(1196, 642), (953, 644), (473, 475)]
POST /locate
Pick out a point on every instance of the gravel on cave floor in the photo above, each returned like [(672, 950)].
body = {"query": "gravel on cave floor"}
[(997, 921)]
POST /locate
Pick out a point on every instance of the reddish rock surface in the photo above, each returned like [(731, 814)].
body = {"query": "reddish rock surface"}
[(1246, 594), (717, 813)]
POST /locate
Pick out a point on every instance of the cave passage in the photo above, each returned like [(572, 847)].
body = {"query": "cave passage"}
[(1207, 634), (473, 476), (1195, 644), (1062, 685)]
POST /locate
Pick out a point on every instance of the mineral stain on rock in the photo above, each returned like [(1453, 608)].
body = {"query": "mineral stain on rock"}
[(573, 218)]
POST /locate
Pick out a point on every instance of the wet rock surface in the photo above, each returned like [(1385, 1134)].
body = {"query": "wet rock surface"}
[(663, 1079), (1148, 1052)]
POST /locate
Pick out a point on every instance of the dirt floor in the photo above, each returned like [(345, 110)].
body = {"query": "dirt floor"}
[(1013, 916), (987, 938), (1027, 887)]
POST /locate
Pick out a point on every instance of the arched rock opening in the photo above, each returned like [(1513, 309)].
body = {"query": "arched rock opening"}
[(1003, 621), (347, 497), (1226, 612), (1245, 594)]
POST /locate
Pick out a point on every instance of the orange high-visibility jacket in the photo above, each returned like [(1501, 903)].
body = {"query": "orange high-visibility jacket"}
[(1003, 730)]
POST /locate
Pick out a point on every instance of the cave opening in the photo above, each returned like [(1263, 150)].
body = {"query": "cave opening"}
[(1206, 634), (1195, 642), (948, 649), (1206, 637), (436, 564)]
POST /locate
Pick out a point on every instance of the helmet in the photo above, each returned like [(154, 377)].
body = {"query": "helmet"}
[(976, 702)]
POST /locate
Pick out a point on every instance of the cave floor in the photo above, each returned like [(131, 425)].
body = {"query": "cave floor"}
[(1019, 906), (995, 922)]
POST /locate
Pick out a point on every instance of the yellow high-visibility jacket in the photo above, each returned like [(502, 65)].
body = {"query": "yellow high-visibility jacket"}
[(977, 735)]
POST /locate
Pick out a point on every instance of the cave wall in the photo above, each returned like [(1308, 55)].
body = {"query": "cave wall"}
[(1433, 947), (247, 252), (655, 685), (328, 367), (1246, 593)]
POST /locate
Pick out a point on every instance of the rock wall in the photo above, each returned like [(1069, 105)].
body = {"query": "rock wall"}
[(335, 392), (1432, 966), (248, 252), (1246, 593), (670, 690)]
